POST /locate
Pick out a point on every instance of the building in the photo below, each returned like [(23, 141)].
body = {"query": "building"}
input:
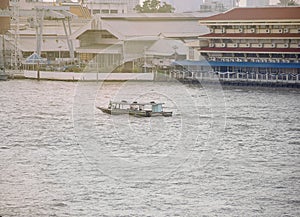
[(112, 40), (212, 7), (111, 6), (75, 8), (4, 16), (4, 27), (43, 28), (257, 3), (218, 5), (229, 3), (30, 4), (256, 42), (184, 6)]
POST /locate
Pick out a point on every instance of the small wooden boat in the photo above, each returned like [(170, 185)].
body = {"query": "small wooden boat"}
[(136, 109)]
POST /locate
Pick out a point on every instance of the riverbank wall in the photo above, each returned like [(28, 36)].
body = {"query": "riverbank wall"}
[(261, 81), (241, 83), (88, 76), (267, 80)]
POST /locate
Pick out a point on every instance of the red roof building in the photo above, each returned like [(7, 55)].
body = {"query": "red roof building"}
[(256, 35)]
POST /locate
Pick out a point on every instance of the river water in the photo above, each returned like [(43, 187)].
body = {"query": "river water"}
[(225, 152)]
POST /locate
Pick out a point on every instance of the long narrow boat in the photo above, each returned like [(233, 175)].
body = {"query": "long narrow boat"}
[(135, 109)]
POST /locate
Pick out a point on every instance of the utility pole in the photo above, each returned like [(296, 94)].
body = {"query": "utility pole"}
[(69, 41), (39, 19), (16, 22), (3, 51)]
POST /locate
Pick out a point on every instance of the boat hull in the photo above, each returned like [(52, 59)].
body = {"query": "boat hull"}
[(165, 114), (114, 111), (140, 113)]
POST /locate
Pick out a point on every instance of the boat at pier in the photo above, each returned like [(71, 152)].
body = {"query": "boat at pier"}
[(136, 109)]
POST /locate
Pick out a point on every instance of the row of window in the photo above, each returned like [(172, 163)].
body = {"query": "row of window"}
[(256, 45), (255, 41), (258, 29), (105, 11), (250, 55)]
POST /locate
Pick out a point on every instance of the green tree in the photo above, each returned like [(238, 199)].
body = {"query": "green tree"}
[(154, 6), (287, 2)]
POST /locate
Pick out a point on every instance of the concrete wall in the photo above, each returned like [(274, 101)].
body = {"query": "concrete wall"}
[(70, 76)]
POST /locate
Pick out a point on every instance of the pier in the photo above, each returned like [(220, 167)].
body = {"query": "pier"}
[(231, 78)]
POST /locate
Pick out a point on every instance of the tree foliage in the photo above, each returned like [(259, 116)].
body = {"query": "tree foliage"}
[(287, 2), (154, 6)]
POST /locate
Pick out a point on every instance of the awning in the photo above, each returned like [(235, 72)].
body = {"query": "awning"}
[(238, 64), (34, 59)]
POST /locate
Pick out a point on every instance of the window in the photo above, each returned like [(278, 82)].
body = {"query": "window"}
[(113, 11), (191, 53), (104, 11)]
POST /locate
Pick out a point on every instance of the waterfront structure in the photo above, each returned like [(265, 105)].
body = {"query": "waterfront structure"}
[(111, 6), (254, 42), (53, 44), (114, 39), (43, 28), (48, 37)]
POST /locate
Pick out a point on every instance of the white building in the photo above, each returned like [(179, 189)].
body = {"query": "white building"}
[(184, 6), (257, 3), (227, 4), (111, 6), (116, 39)]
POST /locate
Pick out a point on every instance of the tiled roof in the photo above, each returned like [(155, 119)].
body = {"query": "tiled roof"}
[(250, 50), (154, 16), (139, 26), (264, 13), (251, 35)]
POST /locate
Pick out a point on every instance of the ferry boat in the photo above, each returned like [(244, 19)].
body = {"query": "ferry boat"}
[(136, 109)]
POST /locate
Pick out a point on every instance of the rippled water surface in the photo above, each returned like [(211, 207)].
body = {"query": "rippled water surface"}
[(225, 152)]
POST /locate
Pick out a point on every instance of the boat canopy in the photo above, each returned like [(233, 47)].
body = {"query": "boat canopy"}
[(123, 102)]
